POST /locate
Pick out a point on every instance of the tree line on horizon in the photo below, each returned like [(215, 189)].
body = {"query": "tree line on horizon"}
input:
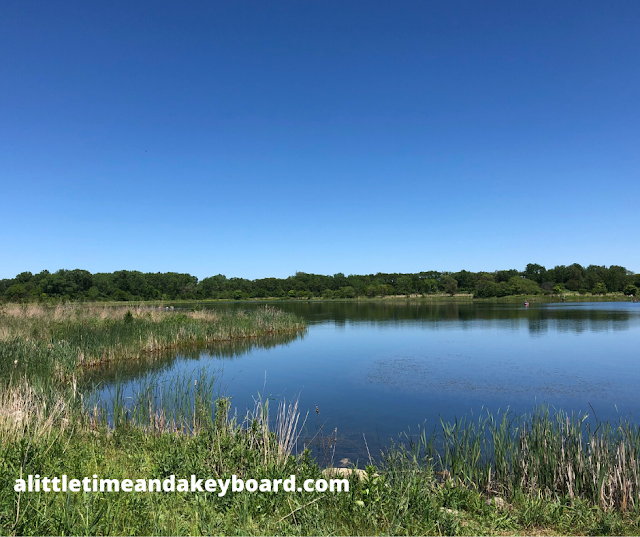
[(127, 285)]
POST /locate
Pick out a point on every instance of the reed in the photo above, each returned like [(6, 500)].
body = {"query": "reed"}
[(65, 340), (278, 440), (30, 413), (552, 472), (436, 485), (189, 404), (183, 404), (552, 455)]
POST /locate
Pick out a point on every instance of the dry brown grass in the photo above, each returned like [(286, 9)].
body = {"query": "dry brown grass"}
[(25, 413), (62, 313), (278, 444)]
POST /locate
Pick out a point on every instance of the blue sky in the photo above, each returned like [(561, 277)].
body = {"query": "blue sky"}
[(257, 139)]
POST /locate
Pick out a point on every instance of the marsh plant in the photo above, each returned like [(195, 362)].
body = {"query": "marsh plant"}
[(551, 455), (541, 472), (503, 474), (36, 340)]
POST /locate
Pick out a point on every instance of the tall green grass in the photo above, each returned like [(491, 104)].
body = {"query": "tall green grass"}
[(157, 362), (552, 455), (184, 403), (63, 341), (437, 486)]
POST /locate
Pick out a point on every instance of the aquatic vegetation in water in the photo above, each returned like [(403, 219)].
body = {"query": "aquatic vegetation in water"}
[(539, 453), (36, 340)]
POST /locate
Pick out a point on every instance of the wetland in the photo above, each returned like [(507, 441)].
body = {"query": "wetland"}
[(469, 417), (378, 369)]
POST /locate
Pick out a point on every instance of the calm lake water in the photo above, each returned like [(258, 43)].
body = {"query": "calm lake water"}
[(384, 368)]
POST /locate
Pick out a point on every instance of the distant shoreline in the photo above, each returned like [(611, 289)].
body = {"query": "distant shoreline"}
[(442, 298)]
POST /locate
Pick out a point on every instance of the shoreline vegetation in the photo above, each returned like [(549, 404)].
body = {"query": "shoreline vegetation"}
[(64, 340), (537, 474), (121, 286), (436, 298), (544, 473)]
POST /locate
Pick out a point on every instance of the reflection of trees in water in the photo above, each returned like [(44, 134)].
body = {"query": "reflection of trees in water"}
[(537, 319), (159, 362), (578, 320), (361, 311), (505, 315)]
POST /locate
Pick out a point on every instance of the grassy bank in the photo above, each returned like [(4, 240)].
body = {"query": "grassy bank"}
[(540, 474), (63, 341)]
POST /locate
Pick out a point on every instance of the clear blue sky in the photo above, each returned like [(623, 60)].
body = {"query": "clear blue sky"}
[(259, 138)]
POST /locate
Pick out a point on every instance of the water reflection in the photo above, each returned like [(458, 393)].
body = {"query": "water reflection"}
[(576, 317), (159, 362), (378, 368)]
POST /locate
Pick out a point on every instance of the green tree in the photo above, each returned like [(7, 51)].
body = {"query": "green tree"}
[(404, 285), (615, 278), (340, 280), (630, 290), (16, 292), (466, 280), (547, 287), (121, 295), (429, 285), (536, 272), (348, 292), (450, 285), (385, 289), (371, 290), (523, 286), (260, 293), (505, 275), (486, 287), (599, 289), (93, 293)]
